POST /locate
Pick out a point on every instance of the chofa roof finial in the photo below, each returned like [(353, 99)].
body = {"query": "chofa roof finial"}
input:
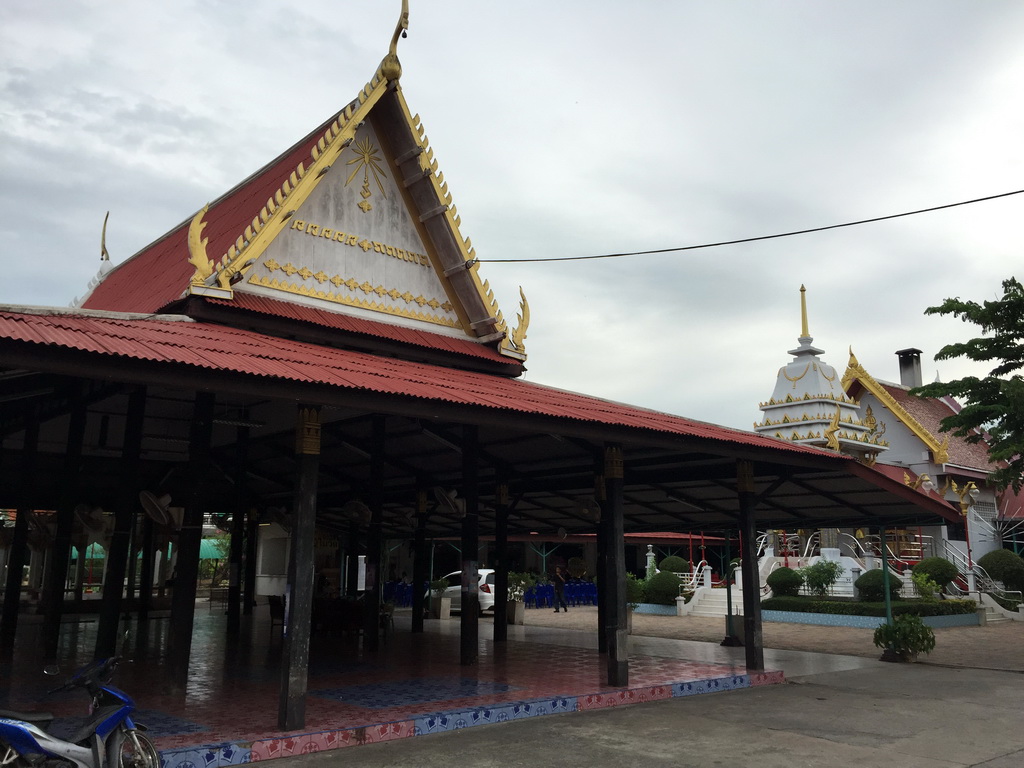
[(391, 68)]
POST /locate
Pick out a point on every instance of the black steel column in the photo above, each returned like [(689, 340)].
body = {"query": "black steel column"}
[(501, 564), (617, 631), (420, 562), (237, 543), (352, 574), (748, 556), (602, 554), (19, 546), (183, 594), (252, 528), (57, 570), (295, 655), (469, 620), (146, 568), (375, 539), (124, 522)]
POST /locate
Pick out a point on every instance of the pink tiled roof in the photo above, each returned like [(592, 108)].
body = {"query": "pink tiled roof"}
[(929, 413)]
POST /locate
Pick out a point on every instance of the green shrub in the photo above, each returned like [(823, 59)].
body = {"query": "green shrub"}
[(1003, 565), (906, 636), (662, 588), (871, 586), (577, 567), (674, 564), (926, 588), (785, 582), (634, 590), (938, 569), (821, 576), (803, 604)]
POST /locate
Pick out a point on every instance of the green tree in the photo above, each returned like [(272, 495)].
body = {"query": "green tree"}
[(993, 410)]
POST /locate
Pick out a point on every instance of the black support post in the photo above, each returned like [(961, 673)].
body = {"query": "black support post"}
[(615, 575), (19, 546), (295, 655), (501, 563), (183, 594), (57, 570), (420, 562), (601, 497), (252, 528), (748, 554), (375, 539), (469, 620), (237, 545), (124, 523)]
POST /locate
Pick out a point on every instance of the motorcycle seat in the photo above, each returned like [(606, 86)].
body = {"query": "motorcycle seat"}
[(36, 718)]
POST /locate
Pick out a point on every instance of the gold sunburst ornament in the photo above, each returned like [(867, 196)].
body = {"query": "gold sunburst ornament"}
[(368, 161)]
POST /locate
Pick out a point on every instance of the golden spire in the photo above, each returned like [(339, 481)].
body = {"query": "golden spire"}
[(804, 333), (391, 68)]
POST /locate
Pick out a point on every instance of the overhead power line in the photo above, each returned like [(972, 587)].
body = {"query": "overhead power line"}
[(746, 239)]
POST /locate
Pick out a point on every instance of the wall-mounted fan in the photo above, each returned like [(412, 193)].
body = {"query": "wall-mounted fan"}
[(562, 533), (449, 501), (587, 507), (358, 511), (94, 524), (159, 508)]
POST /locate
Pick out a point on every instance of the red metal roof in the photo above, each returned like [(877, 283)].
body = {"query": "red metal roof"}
[(160, 272), (220, 348), (261, 305)]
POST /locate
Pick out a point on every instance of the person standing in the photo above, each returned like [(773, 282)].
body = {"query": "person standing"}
[(559, 583)]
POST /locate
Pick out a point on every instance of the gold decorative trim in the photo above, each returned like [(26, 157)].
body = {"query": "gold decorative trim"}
[(429, 163), (197, 248), (391, 67), (307, 431), (514, 344), (301, 290), (613, 463), (354, 285), (856, 372), (295, 190), (830, 434), (797, 378)]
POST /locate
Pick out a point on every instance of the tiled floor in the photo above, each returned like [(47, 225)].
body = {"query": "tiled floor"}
[(413, 685)]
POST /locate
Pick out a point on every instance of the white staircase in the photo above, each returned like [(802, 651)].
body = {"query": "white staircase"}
[(710, 602)]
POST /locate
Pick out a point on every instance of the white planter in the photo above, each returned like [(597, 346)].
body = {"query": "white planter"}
[(440, 607)]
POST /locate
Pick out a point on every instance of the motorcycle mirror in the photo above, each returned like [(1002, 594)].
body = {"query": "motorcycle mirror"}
[(51, 670)]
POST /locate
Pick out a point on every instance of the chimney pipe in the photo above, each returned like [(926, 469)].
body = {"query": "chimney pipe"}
[(910, 367)]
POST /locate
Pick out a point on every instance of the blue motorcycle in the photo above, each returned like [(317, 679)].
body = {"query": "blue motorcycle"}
[(109, 738)]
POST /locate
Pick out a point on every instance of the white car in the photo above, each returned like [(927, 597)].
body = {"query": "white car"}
[(485, 589)]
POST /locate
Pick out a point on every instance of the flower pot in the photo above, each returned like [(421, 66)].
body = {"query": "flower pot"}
[(440, 607), (515, 611)]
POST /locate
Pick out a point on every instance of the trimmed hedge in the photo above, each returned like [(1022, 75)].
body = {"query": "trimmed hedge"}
[(856, 608), (785, 582), (1003, 565), (938, 569), (662, 588), (675, 564), (871, 586)]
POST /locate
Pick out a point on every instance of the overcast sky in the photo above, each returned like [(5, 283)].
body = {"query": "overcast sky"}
[(567, 129)]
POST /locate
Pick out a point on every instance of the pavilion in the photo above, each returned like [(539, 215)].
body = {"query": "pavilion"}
[(318, 342)]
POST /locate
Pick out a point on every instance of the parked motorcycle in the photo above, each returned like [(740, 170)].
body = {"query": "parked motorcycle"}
[(108, 738)]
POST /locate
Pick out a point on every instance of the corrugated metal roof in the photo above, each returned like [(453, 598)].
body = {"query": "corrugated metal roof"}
[(321, 317), (219, 348)]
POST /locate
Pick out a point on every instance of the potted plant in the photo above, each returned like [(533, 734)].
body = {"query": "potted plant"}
[(440, 606), (634, 596), (518, 583), (904, 638)]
